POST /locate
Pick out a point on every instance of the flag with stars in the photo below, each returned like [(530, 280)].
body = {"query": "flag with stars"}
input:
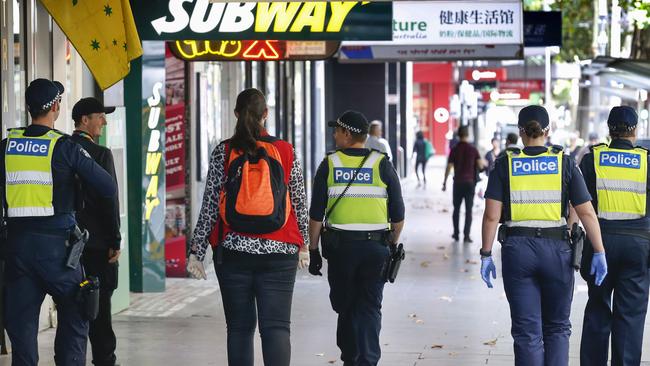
[(103, 32)]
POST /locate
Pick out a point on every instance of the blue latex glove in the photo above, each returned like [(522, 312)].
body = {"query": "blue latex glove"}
[(487, 268), (599, 267)]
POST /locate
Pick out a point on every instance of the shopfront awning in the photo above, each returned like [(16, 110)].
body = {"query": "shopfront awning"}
[(621, 77)]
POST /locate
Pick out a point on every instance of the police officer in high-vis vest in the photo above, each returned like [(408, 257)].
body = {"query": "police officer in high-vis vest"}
[(530, 191), (356, 211), (617, 178), (38, 167)]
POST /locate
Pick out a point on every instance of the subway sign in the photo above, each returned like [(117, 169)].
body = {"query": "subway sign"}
[(253, 50), (311, 20)]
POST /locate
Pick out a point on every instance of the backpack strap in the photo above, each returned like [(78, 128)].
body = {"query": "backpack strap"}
[(354, 177), (218, 253)]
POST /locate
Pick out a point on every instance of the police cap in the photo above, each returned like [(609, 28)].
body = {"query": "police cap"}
[(87, 106), (353, 121), (622, 117), (42, 93), (533, 113)]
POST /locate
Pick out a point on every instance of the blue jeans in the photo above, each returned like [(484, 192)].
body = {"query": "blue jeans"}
[(356, 291), (35, 266), (538, 280), (253, 285)]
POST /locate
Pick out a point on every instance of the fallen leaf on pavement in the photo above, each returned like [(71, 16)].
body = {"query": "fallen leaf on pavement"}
[(413, 315), (470, 262), (425, 264), (464, 270), (445, 256), (419, 321), (491, 343), (437, 346), (332, 361), (441, 248), (320, 355)]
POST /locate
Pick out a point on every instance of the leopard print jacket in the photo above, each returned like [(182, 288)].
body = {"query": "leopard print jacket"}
[(233, 241)]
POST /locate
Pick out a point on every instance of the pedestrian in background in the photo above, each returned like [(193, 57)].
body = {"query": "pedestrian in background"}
[(422, 151), (256, 270), (376, 141), (359, 216), (617, 178), (531, 191), (512, 140), (101, 217), (38, 169), (593, 140), (491, 156), (465, 160)]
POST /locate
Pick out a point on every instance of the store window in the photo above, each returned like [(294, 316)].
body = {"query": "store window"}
[(298, 109), (271, 97), (20, 116)]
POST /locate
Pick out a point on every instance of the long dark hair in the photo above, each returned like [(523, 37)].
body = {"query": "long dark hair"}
[(251, 105)]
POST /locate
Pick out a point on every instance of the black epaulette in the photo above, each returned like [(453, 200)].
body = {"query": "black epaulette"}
[(591, 148), (556, 149), (16, 128), (381, 152), (642, 148)]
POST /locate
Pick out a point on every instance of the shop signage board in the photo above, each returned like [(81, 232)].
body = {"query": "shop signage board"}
[(381, 53), (447, 30), (542, 28), (253, 50), (310, 20)]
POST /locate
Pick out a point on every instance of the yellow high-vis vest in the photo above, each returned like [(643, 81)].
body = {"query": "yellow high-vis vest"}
[(536, 189), (621, 182), (364, 207), (28, 171)]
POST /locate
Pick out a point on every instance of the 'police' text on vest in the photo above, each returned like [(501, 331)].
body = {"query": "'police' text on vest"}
[(32, 147), (620, 159), (535, 166), (344, 175)]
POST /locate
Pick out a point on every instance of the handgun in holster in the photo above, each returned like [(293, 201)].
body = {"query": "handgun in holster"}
[(394, 261), (76, 244), (501, 234), (577, 242), (88, 298)]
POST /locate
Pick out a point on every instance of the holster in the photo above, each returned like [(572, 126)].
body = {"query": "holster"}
[(76, 244), (329, 239), (88, 298), (577, 243), (501, 234), (394, 262)]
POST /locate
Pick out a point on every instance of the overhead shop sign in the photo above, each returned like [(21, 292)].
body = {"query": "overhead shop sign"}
[(313, 20), (253, 50), (447, 30)]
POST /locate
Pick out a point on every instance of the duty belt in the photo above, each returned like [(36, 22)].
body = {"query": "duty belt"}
[(380, 236), (643, 234), (556, 233)]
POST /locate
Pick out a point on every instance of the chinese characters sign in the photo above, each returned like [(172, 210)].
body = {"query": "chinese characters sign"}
[(457, 22)]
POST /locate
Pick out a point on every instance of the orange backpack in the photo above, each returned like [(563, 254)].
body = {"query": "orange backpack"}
[(255, 198)]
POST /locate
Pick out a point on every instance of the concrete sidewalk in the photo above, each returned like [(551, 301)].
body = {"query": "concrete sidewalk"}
[(438, 312)]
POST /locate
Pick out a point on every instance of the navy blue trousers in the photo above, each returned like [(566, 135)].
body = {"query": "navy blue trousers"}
[(35, 266), (356, 291), (538, 280), (628, 279)]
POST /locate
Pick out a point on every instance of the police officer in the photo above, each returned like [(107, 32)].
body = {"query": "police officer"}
[(617, 178), (38, 167), (357, 196), (101, 218), (530, 190)]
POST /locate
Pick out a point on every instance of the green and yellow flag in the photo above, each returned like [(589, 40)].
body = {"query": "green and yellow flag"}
[(103, 32)]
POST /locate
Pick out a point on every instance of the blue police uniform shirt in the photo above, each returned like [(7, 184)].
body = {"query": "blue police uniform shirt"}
[(499, 184), (69, 160), (589, 173)]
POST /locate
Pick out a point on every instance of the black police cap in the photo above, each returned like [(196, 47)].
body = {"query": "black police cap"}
[(533, 113), (41, 94), (87, 106), (351, 120), (622, 117)]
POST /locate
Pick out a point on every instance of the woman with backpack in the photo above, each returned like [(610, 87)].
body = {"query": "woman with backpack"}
[(254, 214)]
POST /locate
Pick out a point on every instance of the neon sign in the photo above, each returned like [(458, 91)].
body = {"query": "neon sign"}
[(253, 50), (154, 154)]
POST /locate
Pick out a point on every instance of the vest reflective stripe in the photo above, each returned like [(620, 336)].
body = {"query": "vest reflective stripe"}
[(367, 192), (28, 179), (535, 189), (621, 182), (365, 205), (535, 197)]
